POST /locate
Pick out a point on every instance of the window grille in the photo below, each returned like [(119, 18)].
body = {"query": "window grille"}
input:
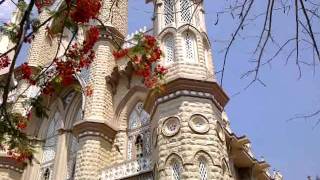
[(203, 170), (176, 171), (138, 133), (168, 11), (49, 148), (185, 6), (190, 48), (51, 139), (169, 49), (129, 148)]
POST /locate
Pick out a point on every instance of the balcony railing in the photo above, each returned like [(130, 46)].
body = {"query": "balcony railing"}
[(127, 169)]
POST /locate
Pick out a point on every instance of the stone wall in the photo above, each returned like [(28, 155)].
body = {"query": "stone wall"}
[(94, 154), (9, 174), (187, 143)]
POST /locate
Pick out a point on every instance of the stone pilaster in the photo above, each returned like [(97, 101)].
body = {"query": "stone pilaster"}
[(95, 144), (94, 154), (99, 105)]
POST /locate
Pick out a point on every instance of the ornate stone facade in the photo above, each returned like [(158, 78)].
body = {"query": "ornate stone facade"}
[(125, 131)]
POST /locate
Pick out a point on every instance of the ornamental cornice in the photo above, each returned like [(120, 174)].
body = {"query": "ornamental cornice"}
[(87, 128), (187, 87), (10, 163)]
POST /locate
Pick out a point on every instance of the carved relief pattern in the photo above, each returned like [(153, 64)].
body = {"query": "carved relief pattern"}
[(171, 126)]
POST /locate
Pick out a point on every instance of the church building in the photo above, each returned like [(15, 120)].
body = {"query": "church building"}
[(124, 131)]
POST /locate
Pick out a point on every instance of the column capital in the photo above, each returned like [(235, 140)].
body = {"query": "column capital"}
[(89, 128)]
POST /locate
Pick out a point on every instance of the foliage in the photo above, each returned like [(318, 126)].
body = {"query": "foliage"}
[(143, 55), (60, 73)]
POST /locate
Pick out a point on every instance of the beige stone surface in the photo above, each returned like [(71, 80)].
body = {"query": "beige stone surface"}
[(8, 174)]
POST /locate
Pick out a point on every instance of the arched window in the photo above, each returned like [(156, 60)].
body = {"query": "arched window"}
[(138, 133), (58, 120), (185, 8), (189, 47), (176, 170), (49, 147), (169, 49), (168, 11), (203, 171)]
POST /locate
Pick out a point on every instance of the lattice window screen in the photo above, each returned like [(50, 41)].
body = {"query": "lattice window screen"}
[(185, 8), (129, 148), (168, 11), (189, 42), (49, 149), (169, 49), (203, 170), (176, 171)]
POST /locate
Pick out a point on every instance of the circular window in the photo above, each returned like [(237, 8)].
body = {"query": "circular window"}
[(199, 124), (171, 126), (220, 132)]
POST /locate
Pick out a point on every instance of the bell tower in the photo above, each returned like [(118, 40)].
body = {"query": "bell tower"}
[(187, 117), (181, 28)]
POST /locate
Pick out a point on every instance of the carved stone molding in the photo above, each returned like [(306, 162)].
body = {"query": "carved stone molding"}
[(118, 72), (187, 87), (10, 163), (220, 132), (199, 124), (87, 128), (171, 126)]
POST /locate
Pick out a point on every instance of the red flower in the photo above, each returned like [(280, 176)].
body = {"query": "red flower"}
[(42, 3), (48, 89), (150, 40), (67, 80), (26, 71), (160, 70), (22, 125), (4, 62), (120, 54), (91, 38), (88, 91), (85, 10), (151, 82)]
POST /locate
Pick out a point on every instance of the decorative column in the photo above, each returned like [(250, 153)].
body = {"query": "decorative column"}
[(96, 132), (43, 49)]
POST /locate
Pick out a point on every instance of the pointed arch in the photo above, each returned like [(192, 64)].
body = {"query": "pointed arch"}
[(175, 166), (204, 163)]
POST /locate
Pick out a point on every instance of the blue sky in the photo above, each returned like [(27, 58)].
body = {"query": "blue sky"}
[(260, 112)]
